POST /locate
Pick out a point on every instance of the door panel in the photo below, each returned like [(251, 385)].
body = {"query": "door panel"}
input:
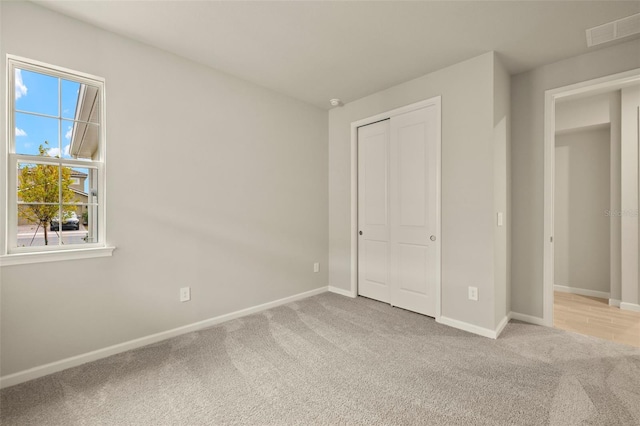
[(411, 175), (373, 211), (375, 253), (413, 210), (412, 271), (375, 179)]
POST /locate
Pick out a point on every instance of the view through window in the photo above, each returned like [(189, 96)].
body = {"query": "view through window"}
[(57, 155)]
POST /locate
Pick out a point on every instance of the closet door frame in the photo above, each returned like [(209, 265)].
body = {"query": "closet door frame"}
[(435, 101)]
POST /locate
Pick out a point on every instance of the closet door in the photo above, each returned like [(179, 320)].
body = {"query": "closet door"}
[(373, 211), (413, 211)]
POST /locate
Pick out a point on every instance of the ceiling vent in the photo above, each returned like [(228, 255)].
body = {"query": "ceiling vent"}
[(615, 30)]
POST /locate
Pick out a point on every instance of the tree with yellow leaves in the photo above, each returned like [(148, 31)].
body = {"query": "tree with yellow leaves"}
[(39, 191)]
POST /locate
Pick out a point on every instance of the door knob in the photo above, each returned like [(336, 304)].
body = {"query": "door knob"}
[(433, 238), (360, 232)]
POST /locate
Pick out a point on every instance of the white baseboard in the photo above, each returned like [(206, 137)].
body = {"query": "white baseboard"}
[(614, 302), (629, 306), (502, 325), (582, 291), (527, 318), (54, 367), (342, 292), (471, 328)]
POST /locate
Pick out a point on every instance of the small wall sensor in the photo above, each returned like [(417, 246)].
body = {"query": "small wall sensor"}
[(335, 102)]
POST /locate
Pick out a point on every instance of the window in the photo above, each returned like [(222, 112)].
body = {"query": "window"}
[(56, 160)]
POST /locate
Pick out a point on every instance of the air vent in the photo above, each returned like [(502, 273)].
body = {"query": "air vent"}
[(615, 30), (628, 26)]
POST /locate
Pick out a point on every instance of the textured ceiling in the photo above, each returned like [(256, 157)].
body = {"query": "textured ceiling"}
[(315, 51)]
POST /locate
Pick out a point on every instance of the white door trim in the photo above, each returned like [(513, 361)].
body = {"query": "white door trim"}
[(610, 82), (437, 102)]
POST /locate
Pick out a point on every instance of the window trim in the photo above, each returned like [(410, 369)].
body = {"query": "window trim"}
[(12, 254), (55, 255)]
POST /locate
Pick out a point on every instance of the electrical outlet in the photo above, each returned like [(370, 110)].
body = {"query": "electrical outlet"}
[(316, 267), (473, 293), (185, 294)]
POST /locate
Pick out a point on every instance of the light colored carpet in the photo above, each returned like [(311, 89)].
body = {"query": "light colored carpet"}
[(334, 360)]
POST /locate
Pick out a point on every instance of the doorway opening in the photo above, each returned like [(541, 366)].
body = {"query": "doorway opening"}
[(591, 208)]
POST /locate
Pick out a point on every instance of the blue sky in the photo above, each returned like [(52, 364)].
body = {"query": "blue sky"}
[(38, 93)]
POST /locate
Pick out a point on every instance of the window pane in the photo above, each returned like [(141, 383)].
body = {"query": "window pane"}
[(80, 102), (31, 231), (80, 140), (36, 135), (39, 184), (35, 92), (84, 184), (69, 219), (80, 224), (70, 92)]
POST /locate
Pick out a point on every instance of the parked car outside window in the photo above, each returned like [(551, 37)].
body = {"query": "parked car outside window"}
[(70, 222)]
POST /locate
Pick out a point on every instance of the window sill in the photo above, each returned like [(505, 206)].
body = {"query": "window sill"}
[(54, 256)]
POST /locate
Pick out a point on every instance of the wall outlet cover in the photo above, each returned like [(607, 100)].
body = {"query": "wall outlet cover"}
[(473, 293), (185, 294)]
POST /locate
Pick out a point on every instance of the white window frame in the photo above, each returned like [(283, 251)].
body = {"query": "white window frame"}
[(11, 253)]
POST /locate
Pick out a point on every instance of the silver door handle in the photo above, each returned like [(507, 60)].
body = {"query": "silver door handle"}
[(433, 238)]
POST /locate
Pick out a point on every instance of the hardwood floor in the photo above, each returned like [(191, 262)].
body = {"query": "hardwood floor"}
[(594, 317)]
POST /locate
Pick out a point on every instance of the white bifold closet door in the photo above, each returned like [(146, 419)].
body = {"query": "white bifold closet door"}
[(397, 210)]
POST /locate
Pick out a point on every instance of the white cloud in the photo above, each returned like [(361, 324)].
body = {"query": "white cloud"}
[(20, 132), (55, 152), (69, 132), (21, 89)]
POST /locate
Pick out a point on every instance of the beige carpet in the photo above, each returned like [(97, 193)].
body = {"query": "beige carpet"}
[(334, 360)]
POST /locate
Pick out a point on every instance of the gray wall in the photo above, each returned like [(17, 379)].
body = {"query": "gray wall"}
[(527, 143), (214, 183), (502, 191), (468, 216), (575, 113), (581, 227)]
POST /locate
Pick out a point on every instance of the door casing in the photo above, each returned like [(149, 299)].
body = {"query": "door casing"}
[(611, 82)]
